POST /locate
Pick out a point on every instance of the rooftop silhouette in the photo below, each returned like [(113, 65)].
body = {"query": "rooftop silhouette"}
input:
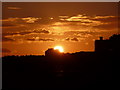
[(110, 45)]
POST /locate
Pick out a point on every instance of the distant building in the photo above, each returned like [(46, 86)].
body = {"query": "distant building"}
[(110, 45), (52, 52)]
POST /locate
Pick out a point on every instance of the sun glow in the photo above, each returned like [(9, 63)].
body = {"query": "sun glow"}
[(60, 48)]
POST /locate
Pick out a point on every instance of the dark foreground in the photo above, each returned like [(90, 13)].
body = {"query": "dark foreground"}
[(80, 70)]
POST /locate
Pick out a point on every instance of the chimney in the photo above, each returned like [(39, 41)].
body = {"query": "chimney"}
[(101, 38)]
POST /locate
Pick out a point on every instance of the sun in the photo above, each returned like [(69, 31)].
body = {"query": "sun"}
[(60, 48)]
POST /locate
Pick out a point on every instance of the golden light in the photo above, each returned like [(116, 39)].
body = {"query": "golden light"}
[(51, 18), (60, 48)]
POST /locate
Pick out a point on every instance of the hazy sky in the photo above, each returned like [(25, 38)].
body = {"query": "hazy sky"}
[(56, 9), (32, 28)]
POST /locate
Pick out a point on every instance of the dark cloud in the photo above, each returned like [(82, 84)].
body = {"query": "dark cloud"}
[(4, 50), (67, 39), (7, 39), (35, 31), (25, 32), (40, 39), (31, 39), (41, 31), (16, 33), (74, 39), (78, 32), (46, 39), (8, 25), (6, 34)]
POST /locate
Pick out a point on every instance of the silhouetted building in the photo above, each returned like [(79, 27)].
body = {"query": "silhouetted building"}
[(110, 45), (52, 52)]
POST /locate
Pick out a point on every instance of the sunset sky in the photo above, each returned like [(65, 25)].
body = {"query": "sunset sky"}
[(32, 28)]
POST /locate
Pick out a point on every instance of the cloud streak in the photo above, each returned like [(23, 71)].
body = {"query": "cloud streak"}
[(7, 39), (40, 39), (8, 34), (89, 20), (14, 8), (18, 20)]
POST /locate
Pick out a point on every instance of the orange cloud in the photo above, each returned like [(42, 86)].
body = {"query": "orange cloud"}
[(21, 20), (89, 20), (14, 8), (30, 19)]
